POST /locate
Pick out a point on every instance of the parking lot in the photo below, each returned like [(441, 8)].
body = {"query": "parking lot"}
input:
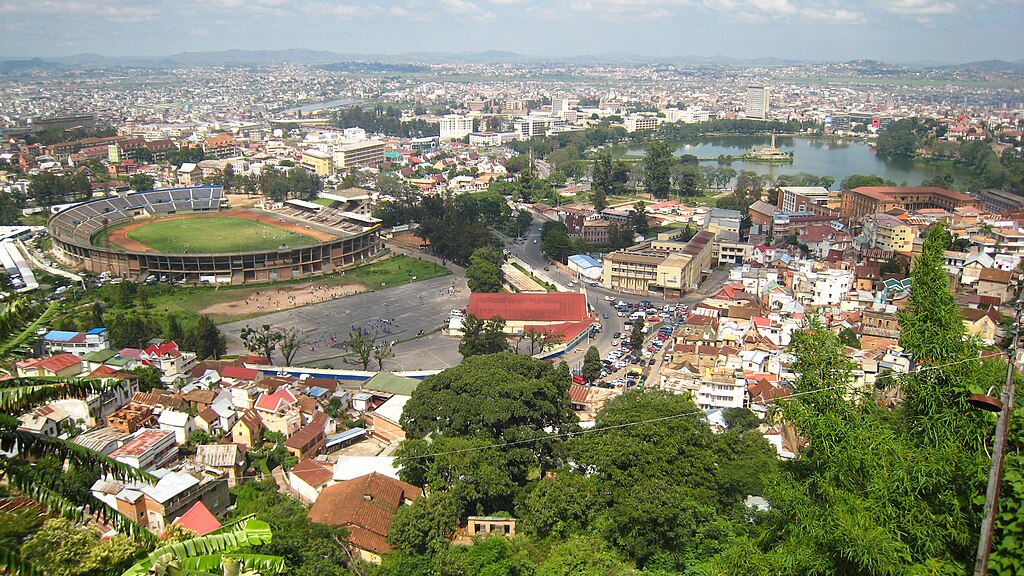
[(621, 367)]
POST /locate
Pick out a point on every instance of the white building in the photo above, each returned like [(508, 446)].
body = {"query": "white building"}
[(757, 102), (455, 127), (721, 392), (537, 125), (691, 115), (637, 122)]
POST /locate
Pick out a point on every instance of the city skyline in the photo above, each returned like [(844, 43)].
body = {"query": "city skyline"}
[(900, 31)]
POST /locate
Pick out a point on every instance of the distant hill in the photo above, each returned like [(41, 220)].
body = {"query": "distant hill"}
[(992, 66), (325, 57)]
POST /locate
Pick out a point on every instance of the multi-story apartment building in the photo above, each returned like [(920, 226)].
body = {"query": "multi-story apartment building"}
[(537, 125), (668, 267), (356, 153), (318, 162), (639, 123), (455, 127), (887, 232), (757, 102)]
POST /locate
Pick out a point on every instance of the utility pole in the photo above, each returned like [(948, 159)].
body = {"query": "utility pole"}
[(995, 474)]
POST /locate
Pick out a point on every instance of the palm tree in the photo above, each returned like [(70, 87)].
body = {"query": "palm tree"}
[(18, 319), (217, 550)]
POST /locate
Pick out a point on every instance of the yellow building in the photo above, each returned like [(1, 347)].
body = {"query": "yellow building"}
[(671, 268), (888, 232), (317, 162)]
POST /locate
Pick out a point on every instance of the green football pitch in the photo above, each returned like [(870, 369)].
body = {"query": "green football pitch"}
[(216, 234)]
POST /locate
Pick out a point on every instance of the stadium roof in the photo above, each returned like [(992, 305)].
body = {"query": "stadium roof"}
[(550, 307), (584, 261), (304, 204)]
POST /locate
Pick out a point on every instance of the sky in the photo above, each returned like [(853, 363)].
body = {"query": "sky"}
[(901, 31)]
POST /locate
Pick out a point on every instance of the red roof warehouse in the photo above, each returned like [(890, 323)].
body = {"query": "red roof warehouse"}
[(551, 308)]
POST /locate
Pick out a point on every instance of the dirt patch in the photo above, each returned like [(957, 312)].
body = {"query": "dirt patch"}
[(409, 240), (119, 237), (274, 299)]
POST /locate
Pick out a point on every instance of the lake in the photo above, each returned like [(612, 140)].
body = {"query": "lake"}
[(818, 156)]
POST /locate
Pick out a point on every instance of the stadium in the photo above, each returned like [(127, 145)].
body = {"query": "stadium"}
[(191, 235)]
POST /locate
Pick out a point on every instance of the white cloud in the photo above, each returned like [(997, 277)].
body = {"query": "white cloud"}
[(919, 7), (754, 11), (466, 9)]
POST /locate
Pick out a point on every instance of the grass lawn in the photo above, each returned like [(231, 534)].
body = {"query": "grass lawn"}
[(324, 202), (394, 271), (217, 234)]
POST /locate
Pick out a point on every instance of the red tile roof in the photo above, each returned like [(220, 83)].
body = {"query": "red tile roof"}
[(141, 443), (238, 373), (578, 394), (307, 432), (313, 472), (59, 362), (281, 398), (105, 371), (165, 349), (551, 307), (199, 520), (364, 505), (564, 332)]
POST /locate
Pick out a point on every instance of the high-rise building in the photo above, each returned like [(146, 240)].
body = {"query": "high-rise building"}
[(559, 106), (453, 126), (757, 102)]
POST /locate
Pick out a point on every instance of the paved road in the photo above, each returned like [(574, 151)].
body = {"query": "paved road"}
[(410, 308), (530, 252)]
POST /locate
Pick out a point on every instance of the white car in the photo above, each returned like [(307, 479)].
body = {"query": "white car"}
[(609, 298), (615, 342)]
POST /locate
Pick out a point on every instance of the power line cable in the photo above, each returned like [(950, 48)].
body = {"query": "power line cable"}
[(652, 420)]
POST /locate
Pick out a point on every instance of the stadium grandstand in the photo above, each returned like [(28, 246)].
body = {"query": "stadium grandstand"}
[(77, 232)]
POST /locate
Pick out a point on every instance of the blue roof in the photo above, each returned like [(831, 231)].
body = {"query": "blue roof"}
[(584, 261), (316, 391), (96, 331), (59, 335), (345, 436)]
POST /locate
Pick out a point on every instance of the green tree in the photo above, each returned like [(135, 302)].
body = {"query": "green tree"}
[(484, 272), (638, 217), (849, 338), (291, 342), (360, 348), (205, 339), (892, 266), (740, 419), (148, 377), (909, 505), (857, 180), (382, 352), (173, 332), (689, 182), (497, 396), (657, 169), (262, 340), (900, 138), (63, 548), (141, 181), (10, 212), (425, 526), (636, 336), (592, 364)]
